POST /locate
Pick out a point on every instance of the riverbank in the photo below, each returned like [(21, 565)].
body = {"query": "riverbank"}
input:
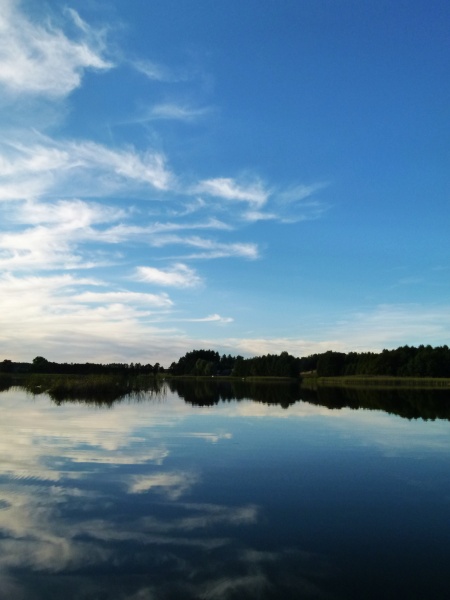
[(379, 381)]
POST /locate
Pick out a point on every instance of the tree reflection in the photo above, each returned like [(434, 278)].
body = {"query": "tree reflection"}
[(5, 382), (203, 392), (410, 403), (101, 390)]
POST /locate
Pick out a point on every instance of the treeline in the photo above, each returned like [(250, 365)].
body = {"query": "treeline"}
[(196, 363), (405, 361), (42, 365), (210, 363), (269, 365), (204, 363)]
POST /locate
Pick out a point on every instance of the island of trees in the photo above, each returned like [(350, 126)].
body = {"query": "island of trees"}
[(405, 361)]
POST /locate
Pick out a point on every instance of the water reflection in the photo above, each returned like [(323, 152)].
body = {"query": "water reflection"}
[(204, 392), (410, 403), (159, 497)]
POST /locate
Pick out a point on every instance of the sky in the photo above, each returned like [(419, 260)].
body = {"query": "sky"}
[(245, 176)]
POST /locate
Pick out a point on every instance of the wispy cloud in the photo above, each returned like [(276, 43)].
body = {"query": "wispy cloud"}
[(299, 203), (258, 346), (253, 192), (159, 72), (156, 233), (125, 298), (390, 325), (149, 167), (298, 193), (62, 314), (213, 249), (215, 318), (72, 204), (56, 232), (261, 203), (258, 215), (179, 275), (68, 214), (177, 112), (40, 58), (383, 326), (97, 169)]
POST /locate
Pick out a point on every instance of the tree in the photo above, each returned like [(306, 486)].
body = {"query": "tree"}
[(331, 364), (6, 366), (41, 364)]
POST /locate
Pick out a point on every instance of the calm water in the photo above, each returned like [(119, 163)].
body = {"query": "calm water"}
[(199, 495)]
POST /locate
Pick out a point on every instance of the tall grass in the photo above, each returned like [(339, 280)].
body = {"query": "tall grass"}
[(91, 388), (380, 381)]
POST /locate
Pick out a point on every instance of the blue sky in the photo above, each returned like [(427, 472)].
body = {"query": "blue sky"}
[(245, 176)]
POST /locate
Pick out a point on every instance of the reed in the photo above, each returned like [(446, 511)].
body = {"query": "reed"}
[(101, 388), (379, 381)]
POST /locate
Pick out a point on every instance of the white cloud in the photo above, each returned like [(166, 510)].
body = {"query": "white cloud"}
[(393, 325), (156, 71), (215, 318), (31, 159), (59, 228), (148, 168), (177, 112), (291, 205), (60, 318), (32, 187), (67, 214), (155, 233), (214, 249), (258, 215), (39, 248), (258, 346), (384, 326), (41, 166), (50, 223), (223, 187), (41, 59), (125, 298), (209, 248), (298, 193), (180, 275)]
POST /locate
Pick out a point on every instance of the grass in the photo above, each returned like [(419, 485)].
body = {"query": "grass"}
[(380, 381), (98, 388)]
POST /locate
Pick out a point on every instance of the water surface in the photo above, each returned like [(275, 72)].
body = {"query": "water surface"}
[(195, 494)]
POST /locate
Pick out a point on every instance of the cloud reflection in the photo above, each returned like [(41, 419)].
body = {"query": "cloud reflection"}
[(172, 485), (79, 486), (160, 500)]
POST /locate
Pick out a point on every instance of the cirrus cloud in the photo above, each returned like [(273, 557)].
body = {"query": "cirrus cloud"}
[(40, 59), (227, 188), (179, 275)]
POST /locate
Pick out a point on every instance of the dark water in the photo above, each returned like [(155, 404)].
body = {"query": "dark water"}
[(192, 493)]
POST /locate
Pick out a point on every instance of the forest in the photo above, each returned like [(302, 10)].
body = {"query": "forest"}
[(209, 362), (405, 361)]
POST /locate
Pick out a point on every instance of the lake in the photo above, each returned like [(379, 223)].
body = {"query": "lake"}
[(226, 492)]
